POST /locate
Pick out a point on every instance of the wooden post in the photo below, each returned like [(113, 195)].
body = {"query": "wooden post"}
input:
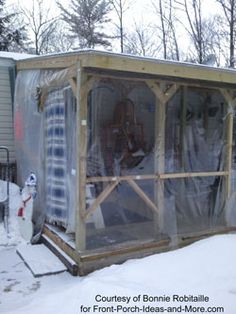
[(162, 97), (160, 162), (183, 127), (73, 85), (230, 118), (231, 101), (80, 237)]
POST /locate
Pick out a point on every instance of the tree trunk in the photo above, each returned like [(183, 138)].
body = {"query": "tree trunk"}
[(232, 22)]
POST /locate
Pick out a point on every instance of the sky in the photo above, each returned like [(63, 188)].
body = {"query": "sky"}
[(140, 12)]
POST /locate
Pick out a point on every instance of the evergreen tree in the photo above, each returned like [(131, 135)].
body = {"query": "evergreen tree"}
[(8, 35), (86, 19)]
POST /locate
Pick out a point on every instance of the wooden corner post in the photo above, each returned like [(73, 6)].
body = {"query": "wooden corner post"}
[(80, 238), (229, 146), (231, 102)]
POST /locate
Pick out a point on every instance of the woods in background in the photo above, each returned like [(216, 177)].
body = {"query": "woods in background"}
[(186, 30)]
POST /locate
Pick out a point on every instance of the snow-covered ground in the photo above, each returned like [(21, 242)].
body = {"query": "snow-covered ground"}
[(166, 283), (14, 204)]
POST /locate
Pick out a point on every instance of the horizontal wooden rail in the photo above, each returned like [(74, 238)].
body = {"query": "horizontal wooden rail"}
[(162, 176)]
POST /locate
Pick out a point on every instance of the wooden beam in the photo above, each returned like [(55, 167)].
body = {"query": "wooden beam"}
[(72, 72), (100, 199), (183, 115), (193, 174), (159, 156), (73, 85), (122, 178), (157, 67), (159, 176), (171, 91), (228, 96), (82, 105), (111, 61), (163, 95), (48, 62), (229, 152), (231, 101), (155, 88), (143, 196), (63, 245), (159, 163), (162, 98), (170, 81)]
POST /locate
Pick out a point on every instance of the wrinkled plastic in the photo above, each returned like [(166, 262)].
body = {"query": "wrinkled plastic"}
[(123, 120), (45, 143), (122, 124)]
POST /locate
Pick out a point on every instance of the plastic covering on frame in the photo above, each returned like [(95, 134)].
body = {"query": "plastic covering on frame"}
[(122, 123), (126, 139), (45, 135)]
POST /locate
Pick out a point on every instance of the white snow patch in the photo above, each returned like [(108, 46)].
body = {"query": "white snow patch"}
[(206, 267), (14, 237), (15, 55)]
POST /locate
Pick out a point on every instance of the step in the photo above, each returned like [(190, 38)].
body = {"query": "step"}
[(64, 258)]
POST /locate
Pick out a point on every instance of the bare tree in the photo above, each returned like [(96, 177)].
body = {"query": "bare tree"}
[(193, 10), (41, 25), (86, 20), (166, 28), (60, 40), (229, 9), (120, 7), (140, 41), (202, 30)]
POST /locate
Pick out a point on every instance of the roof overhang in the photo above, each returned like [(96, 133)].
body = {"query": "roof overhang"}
[(107, 61)]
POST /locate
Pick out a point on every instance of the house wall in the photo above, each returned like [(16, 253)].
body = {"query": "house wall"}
[(6, 109)]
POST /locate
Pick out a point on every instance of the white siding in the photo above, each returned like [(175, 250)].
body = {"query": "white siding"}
[(6, 116)]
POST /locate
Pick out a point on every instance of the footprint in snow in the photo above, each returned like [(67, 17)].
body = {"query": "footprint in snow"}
[(35, 286), (8, 288)]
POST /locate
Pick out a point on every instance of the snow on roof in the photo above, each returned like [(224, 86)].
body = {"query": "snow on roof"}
[(15, 55)]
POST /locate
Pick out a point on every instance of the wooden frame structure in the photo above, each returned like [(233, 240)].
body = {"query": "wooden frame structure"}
[(164, 79)]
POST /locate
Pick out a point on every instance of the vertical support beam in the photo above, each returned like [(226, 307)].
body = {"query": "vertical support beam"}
[(229, 139), (163, 95), (231, 101), (160, 162), (80, 237), (183, 127)]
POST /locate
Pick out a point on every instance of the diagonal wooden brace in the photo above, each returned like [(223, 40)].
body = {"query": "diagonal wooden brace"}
[(143, 196), (100, 199)]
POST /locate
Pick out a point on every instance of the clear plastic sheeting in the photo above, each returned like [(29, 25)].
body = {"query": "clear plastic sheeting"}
[(45, 134), (124, 133), (195, 131), (121, 128), (151, 177)]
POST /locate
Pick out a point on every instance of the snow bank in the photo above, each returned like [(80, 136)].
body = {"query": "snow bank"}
[(14, 237), (204, 268)]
